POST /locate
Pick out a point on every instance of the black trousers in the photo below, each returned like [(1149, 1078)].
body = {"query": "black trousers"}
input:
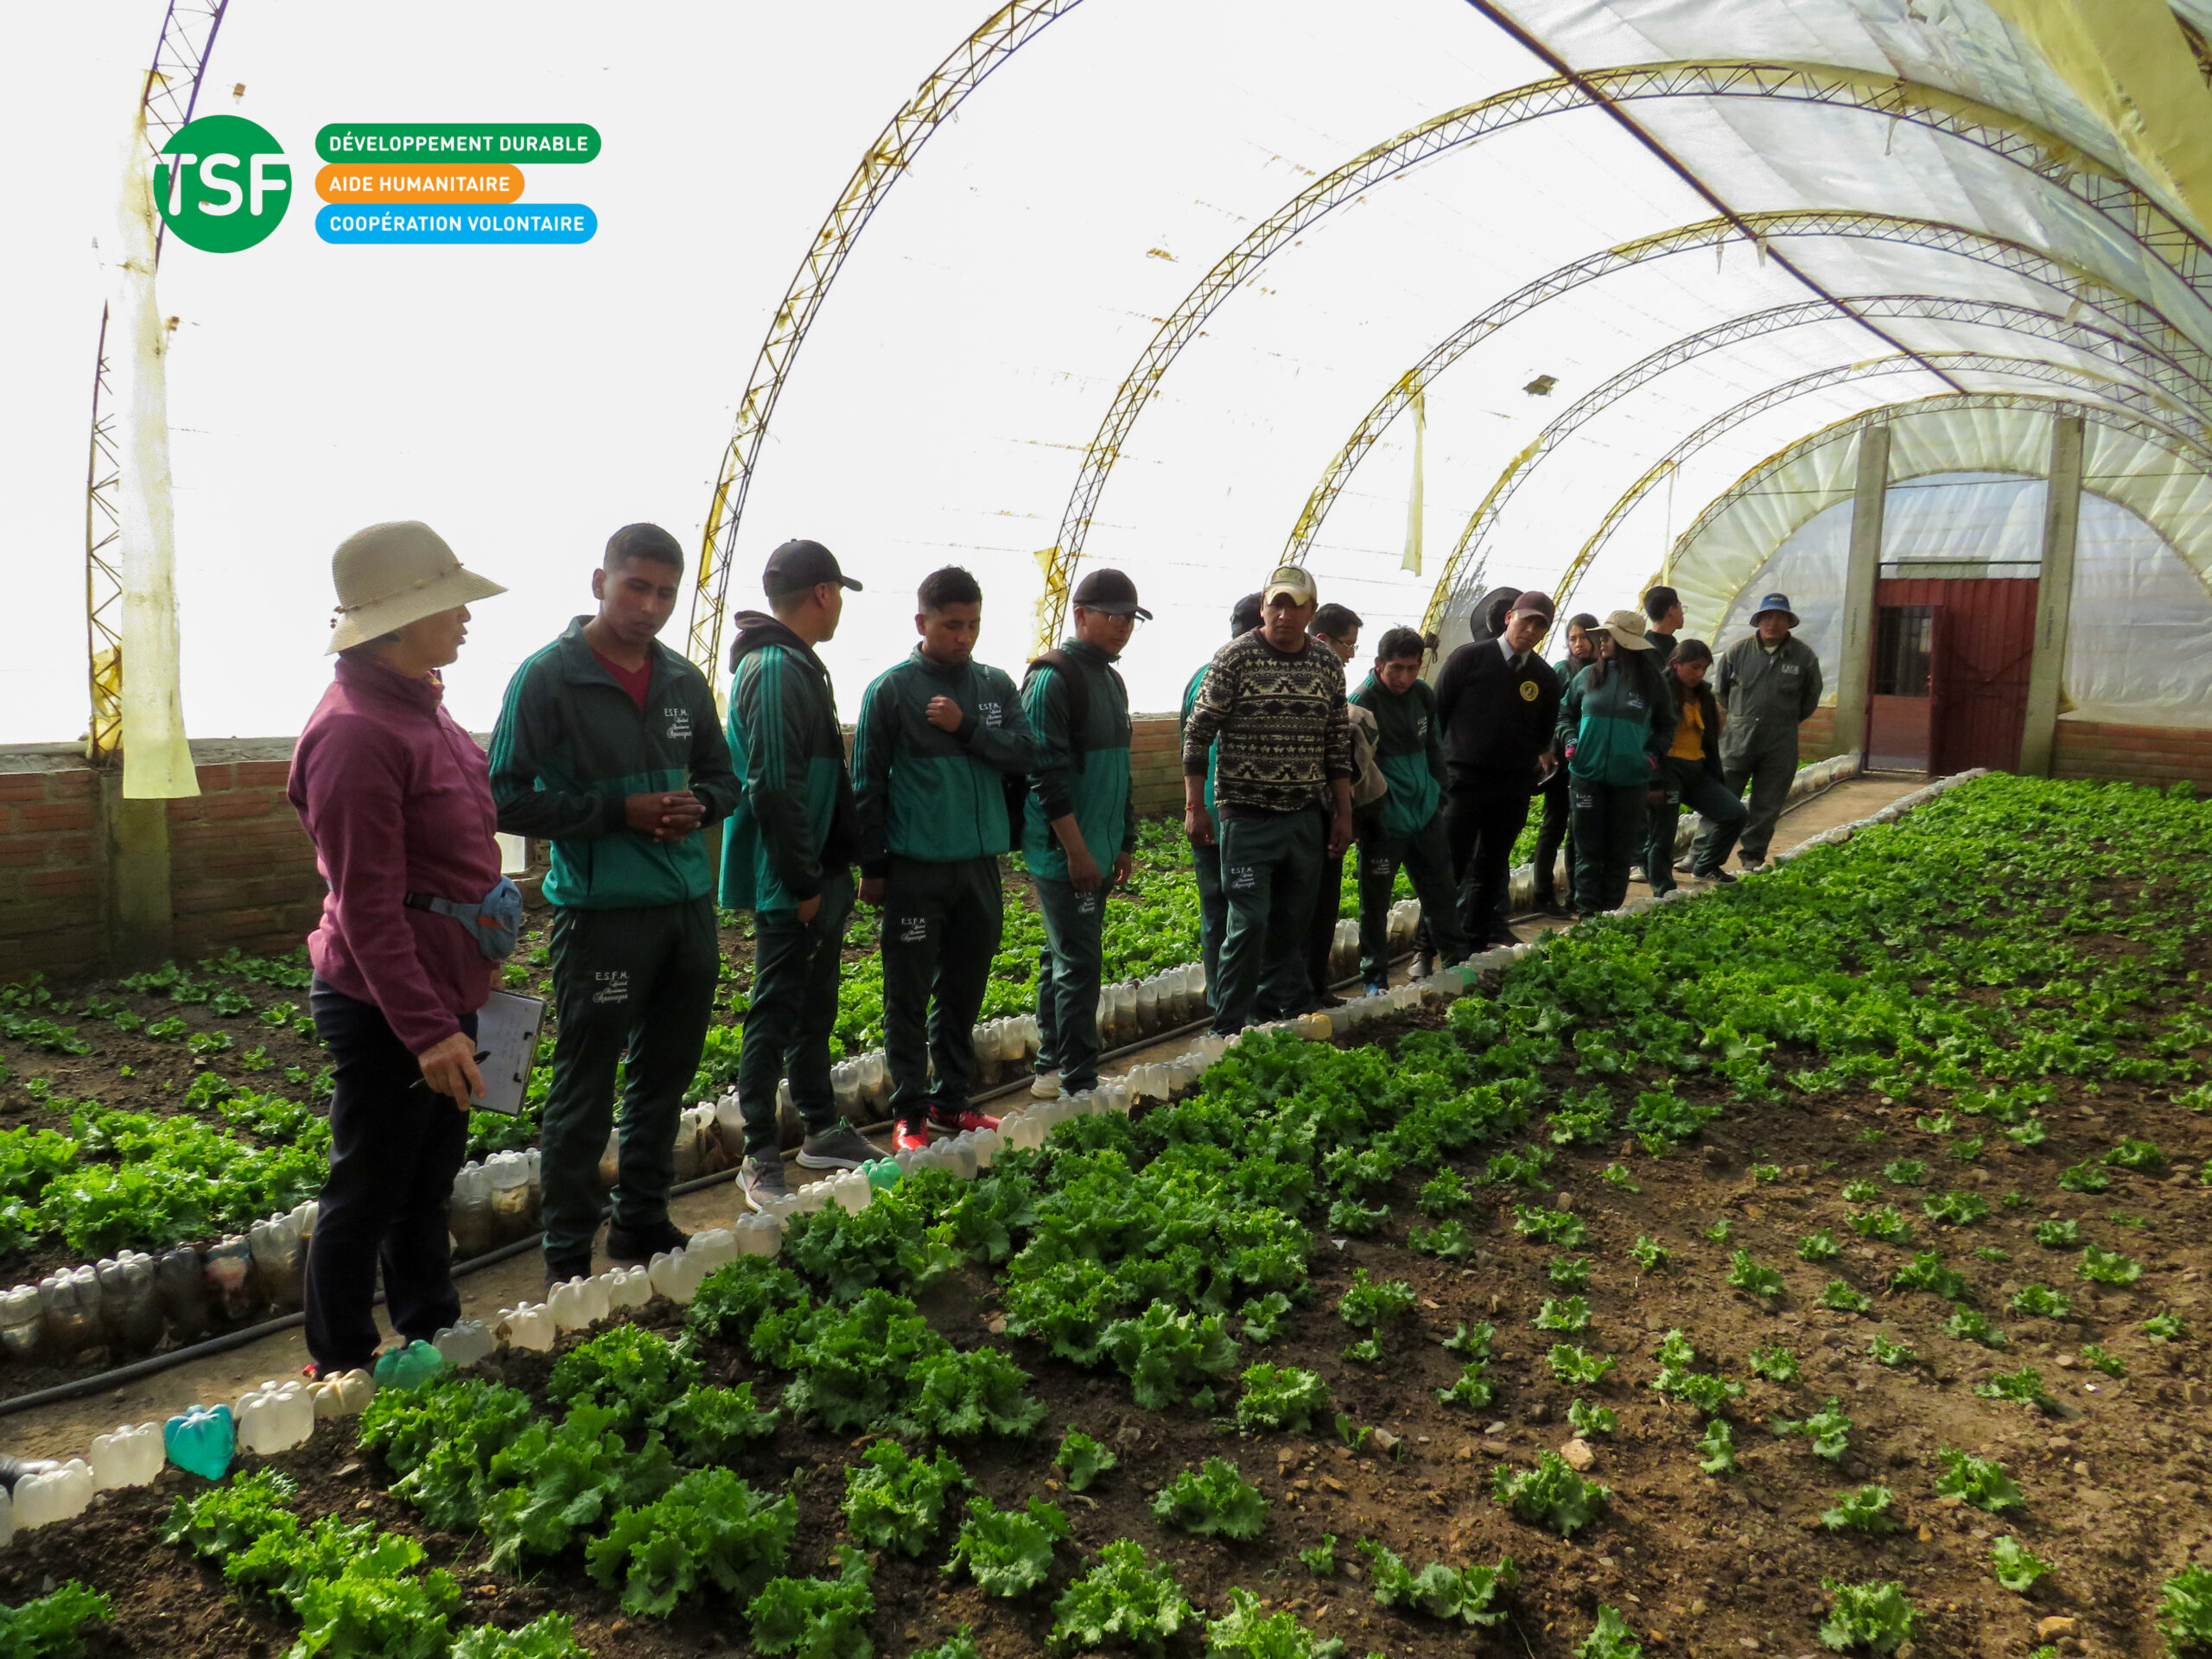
[(633, 988), (1321, 930), (1557, 827), (942, 923), (395, 1148), (1484, 824), (792, 1015)]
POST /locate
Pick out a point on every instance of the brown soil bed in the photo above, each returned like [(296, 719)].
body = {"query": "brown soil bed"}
[(2115, 1474)]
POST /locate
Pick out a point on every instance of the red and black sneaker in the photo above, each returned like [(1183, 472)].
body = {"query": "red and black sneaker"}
[(967, 1118), (909, 1137)]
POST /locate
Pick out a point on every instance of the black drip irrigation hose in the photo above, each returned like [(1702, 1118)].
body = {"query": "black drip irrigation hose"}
[(157, 1364)]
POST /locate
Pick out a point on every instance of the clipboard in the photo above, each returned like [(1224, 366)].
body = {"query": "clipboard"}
[(506, 1042)]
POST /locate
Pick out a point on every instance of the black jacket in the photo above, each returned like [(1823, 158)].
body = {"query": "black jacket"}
[(1497, 721), (1708, 709)]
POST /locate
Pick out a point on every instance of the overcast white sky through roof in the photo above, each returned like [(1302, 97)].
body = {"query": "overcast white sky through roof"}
[(527, 401)]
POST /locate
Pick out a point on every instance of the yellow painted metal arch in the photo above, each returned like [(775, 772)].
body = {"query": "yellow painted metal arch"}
[(2156, 331), (2061, 165), (2166, 385), (1964, 362), (884, 161)]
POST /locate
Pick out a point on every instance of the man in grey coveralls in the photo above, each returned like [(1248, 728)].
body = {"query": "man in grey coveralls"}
[(1767, 685)]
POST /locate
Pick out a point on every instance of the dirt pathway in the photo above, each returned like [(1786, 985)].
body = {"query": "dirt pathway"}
[(67, 1429)]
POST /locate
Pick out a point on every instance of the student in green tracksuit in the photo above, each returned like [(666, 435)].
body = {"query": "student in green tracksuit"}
[(787, 858), (1205, 862), (1079, 833), (608, 746), (1554, 829), (1615, 725), (1409, 822), (938, 736)]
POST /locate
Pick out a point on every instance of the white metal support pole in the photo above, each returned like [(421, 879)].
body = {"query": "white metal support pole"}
[(2062, 518), (1855, 671)]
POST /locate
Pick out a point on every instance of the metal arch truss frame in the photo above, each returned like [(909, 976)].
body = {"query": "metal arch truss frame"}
[(2084, 292), (1755, 477), (2183, 396), (2096, 387), (169, 96), (2131, 213), (1004, 33)]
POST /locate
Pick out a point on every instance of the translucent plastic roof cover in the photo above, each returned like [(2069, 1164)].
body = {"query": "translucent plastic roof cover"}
[(1725, 556), (2135, 639), (1317, 195)]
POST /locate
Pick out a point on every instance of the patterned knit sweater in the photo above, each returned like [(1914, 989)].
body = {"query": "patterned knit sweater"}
[(1276, 724)]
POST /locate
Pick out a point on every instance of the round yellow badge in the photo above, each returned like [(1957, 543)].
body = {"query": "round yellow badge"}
[(1527, 690)]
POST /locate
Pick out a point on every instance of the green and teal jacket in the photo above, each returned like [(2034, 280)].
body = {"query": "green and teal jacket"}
[(1409, 750), (572, 743), (1094, 784), (1619, 731), (795, 825), (934, 795), (1190, 699)]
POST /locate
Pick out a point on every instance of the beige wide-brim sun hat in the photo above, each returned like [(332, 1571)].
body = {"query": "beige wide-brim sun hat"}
[(1627, 629), (390, 574)]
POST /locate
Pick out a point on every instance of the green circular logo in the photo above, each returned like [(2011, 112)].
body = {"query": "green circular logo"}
[(222, 183)]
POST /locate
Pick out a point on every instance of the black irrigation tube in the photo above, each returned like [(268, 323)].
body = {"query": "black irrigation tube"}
[(159, 1363)]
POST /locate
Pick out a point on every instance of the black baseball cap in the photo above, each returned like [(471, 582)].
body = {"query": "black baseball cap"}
[(800, 564), (1110, 591)]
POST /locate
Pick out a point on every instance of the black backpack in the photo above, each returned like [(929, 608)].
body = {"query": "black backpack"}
[(1016, 783)]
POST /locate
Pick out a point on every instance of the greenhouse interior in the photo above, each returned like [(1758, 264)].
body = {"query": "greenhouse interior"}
[(1542, 990)]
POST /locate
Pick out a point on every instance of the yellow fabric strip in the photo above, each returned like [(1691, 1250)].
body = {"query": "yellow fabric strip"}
[(2129, 62)]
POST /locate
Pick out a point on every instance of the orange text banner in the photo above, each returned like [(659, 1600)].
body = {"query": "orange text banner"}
[(358, 181)]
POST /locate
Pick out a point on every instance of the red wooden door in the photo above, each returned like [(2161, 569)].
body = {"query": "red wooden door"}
[(1984, 642)]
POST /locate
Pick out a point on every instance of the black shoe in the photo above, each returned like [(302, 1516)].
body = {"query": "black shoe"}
[(1547, 904), (1324, 1000), (559, 1270), (634, 1244), (840, 1147), (1722, 877), (1502, 934)]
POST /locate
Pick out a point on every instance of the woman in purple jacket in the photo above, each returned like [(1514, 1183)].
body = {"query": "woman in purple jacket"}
[(398, 800)]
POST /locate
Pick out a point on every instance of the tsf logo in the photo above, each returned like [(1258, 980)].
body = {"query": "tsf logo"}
[(613, 985), (991, 713), (222, 184), (679, 722)]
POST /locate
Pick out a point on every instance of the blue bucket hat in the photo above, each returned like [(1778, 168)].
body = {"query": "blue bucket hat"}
[(1775, 602)]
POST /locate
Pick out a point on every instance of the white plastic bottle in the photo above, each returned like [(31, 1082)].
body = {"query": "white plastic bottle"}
[(529, 1327), (346, 1395), (58, 1491), (464, 1342), (129, 1456), (275, 1417)]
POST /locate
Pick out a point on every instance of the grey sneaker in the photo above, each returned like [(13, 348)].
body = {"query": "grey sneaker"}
[(843, 1147), (761, 1180)]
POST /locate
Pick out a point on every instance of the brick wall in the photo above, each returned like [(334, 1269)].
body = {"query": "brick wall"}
[(242, 873), (51, 862), (2144, 754), (1816, 737), (241, 870)]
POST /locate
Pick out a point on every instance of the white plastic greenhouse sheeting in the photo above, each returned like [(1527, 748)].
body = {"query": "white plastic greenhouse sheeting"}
[(1010, 282), (2135, 650)]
